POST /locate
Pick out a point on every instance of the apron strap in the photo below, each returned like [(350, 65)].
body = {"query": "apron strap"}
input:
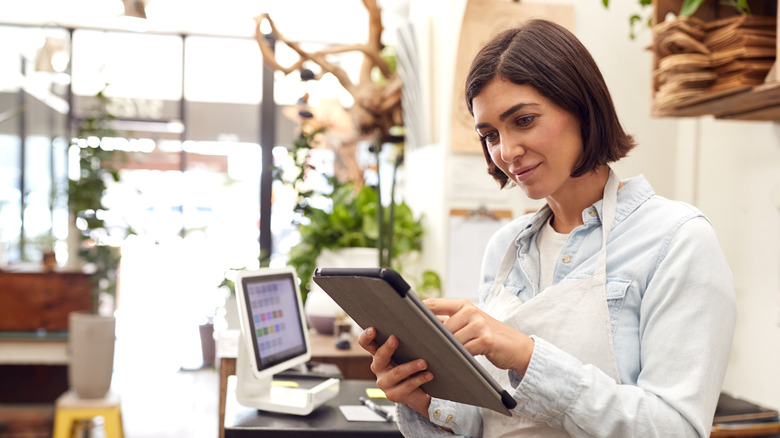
[(608, 207)]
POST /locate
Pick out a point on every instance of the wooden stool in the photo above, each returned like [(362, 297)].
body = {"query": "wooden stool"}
[(69, 408)]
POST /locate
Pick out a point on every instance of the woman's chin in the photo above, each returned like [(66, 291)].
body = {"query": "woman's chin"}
[(532, 192)]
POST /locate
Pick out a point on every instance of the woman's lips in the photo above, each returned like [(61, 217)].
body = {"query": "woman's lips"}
[(526, 172)]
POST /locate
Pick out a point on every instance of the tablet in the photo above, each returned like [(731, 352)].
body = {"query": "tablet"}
[(381, 298)]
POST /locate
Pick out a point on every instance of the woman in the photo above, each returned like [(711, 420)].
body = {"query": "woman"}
[(607, 313)]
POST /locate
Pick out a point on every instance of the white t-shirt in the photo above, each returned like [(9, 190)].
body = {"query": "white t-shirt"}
[(550, 243)]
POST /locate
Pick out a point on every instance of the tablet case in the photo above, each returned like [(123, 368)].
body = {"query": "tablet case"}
[(731, 409), (381, 298)]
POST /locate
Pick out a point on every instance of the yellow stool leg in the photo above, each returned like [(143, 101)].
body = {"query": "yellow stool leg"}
[(112, 422), (63, 423)]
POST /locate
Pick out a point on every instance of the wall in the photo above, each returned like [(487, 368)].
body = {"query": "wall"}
[(738, 188), (730, 170)]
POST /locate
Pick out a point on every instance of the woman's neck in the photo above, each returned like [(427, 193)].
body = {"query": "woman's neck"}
[(576, 195)]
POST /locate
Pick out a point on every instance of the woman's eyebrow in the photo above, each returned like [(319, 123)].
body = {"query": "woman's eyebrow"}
[(513, 109), (506, 114)]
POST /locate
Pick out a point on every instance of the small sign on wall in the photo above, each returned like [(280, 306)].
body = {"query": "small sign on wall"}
[(469, 232)]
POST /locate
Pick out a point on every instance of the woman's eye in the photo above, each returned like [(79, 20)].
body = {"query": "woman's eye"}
[(490, 138), (525, 120)]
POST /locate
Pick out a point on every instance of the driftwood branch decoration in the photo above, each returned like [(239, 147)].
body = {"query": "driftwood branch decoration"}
[(377, 105)]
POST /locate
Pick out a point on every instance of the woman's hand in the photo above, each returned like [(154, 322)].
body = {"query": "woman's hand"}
[(480, 333), (400, 383)]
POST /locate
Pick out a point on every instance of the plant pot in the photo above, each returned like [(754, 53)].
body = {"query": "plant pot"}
[(91, 340), (207, 344), (74, 243), (320, 309)]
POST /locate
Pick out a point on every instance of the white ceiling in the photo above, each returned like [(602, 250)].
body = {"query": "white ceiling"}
[(329, 21)]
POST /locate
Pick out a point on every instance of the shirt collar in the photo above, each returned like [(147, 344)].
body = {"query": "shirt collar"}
[(634, 192)]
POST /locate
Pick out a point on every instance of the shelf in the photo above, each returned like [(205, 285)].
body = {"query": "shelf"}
[(758, 103)]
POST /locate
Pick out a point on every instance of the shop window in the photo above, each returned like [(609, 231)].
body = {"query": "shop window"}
[(137, 66), (226, 70)]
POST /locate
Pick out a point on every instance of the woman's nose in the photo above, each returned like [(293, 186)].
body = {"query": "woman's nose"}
[(511, 149)]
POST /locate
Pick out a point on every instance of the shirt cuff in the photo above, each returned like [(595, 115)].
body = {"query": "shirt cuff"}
[(463, 420), (550, 384), (412, 424)]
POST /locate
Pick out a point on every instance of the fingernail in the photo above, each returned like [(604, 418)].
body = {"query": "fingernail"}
[(421, 364), (370, 331), (427, 376)]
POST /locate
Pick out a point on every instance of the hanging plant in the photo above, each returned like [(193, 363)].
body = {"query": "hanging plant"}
[(688, 8)]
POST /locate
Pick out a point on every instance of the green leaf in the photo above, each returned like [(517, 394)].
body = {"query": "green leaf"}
[(371, 227), (606, 3), (689, 7), (632, 22), (431, 280), (741, 6)]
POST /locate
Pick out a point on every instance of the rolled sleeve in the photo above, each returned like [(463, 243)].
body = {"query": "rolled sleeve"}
[(462, 420)]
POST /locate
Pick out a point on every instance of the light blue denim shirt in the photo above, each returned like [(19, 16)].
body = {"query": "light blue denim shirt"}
[(672, 309)]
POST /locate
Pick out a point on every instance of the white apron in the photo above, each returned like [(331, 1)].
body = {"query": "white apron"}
[(572, 316)]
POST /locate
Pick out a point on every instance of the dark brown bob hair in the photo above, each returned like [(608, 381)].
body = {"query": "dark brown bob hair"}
[(551, 59)]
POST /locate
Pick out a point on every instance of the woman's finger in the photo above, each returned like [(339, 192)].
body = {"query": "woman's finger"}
[(403, 380), (445, 306), (403, 373), (383, 356), (366, 340)]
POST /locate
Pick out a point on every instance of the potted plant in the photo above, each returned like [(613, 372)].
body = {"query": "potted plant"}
[(349, 216), (92, 333), (348, 225), (351, 222), (347, 235)]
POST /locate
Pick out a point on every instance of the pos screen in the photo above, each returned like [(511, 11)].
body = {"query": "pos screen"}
[(274, 318)]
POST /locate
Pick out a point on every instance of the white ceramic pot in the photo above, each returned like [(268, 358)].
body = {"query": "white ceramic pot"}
[(91, 352), (320, 308), (231, 313)]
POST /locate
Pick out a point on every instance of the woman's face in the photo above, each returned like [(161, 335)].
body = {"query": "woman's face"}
[(532, 140)]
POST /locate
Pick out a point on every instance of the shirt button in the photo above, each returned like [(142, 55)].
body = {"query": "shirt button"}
[(592, 212), (449, 419), (566, 258), (436, 415)]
